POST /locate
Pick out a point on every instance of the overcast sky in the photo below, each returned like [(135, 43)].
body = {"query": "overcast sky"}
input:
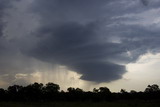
[(80, 43)]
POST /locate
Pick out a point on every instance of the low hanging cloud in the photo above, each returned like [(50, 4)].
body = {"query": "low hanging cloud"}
[(93, 38), (76, 47), (73, 33)]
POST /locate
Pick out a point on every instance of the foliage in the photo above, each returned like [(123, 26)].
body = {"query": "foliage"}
[(51, 92)]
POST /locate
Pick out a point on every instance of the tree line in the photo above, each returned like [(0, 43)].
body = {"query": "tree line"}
[(51, 92)]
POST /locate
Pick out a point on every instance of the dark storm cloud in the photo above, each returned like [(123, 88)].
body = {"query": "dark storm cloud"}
[(3, 4), (76, 46), (100, 71), (95, 38), (11, 60), (3, 44), (71, 36), (74, 33), (145, 2)]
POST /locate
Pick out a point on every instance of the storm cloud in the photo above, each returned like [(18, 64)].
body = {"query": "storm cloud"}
[(93, 38), (3, 5), (75, 34), (76, 46)]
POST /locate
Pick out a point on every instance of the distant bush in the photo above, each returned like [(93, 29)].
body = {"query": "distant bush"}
[(51, 92)]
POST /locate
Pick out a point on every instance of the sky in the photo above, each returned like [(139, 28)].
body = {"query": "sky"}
[(80, 43)]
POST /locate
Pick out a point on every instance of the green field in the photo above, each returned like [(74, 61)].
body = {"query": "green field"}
[(81, 104)]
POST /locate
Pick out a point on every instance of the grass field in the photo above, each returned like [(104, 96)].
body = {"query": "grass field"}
[(81, 104)]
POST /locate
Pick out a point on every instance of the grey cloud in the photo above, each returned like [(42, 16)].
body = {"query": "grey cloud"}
[(78, 34), (11, 59), (3, 4), (136, 39), (76, 46), (74, 33), (145, 2), (74, 41), (3, 43), (100, 71)]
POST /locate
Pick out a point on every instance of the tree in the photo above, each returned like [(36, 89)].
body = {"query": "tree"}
[(95, 90), (104, 90), (37, 86), (14, 89), (123, 91), (133, 92), (152, 88), (14, 92), (2, 94), (78, 90), (33, 91), (51, 88), (71, 90)]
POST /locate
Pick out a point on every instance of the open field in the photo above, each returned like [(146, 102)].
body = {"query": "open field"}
[(80, 104)]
